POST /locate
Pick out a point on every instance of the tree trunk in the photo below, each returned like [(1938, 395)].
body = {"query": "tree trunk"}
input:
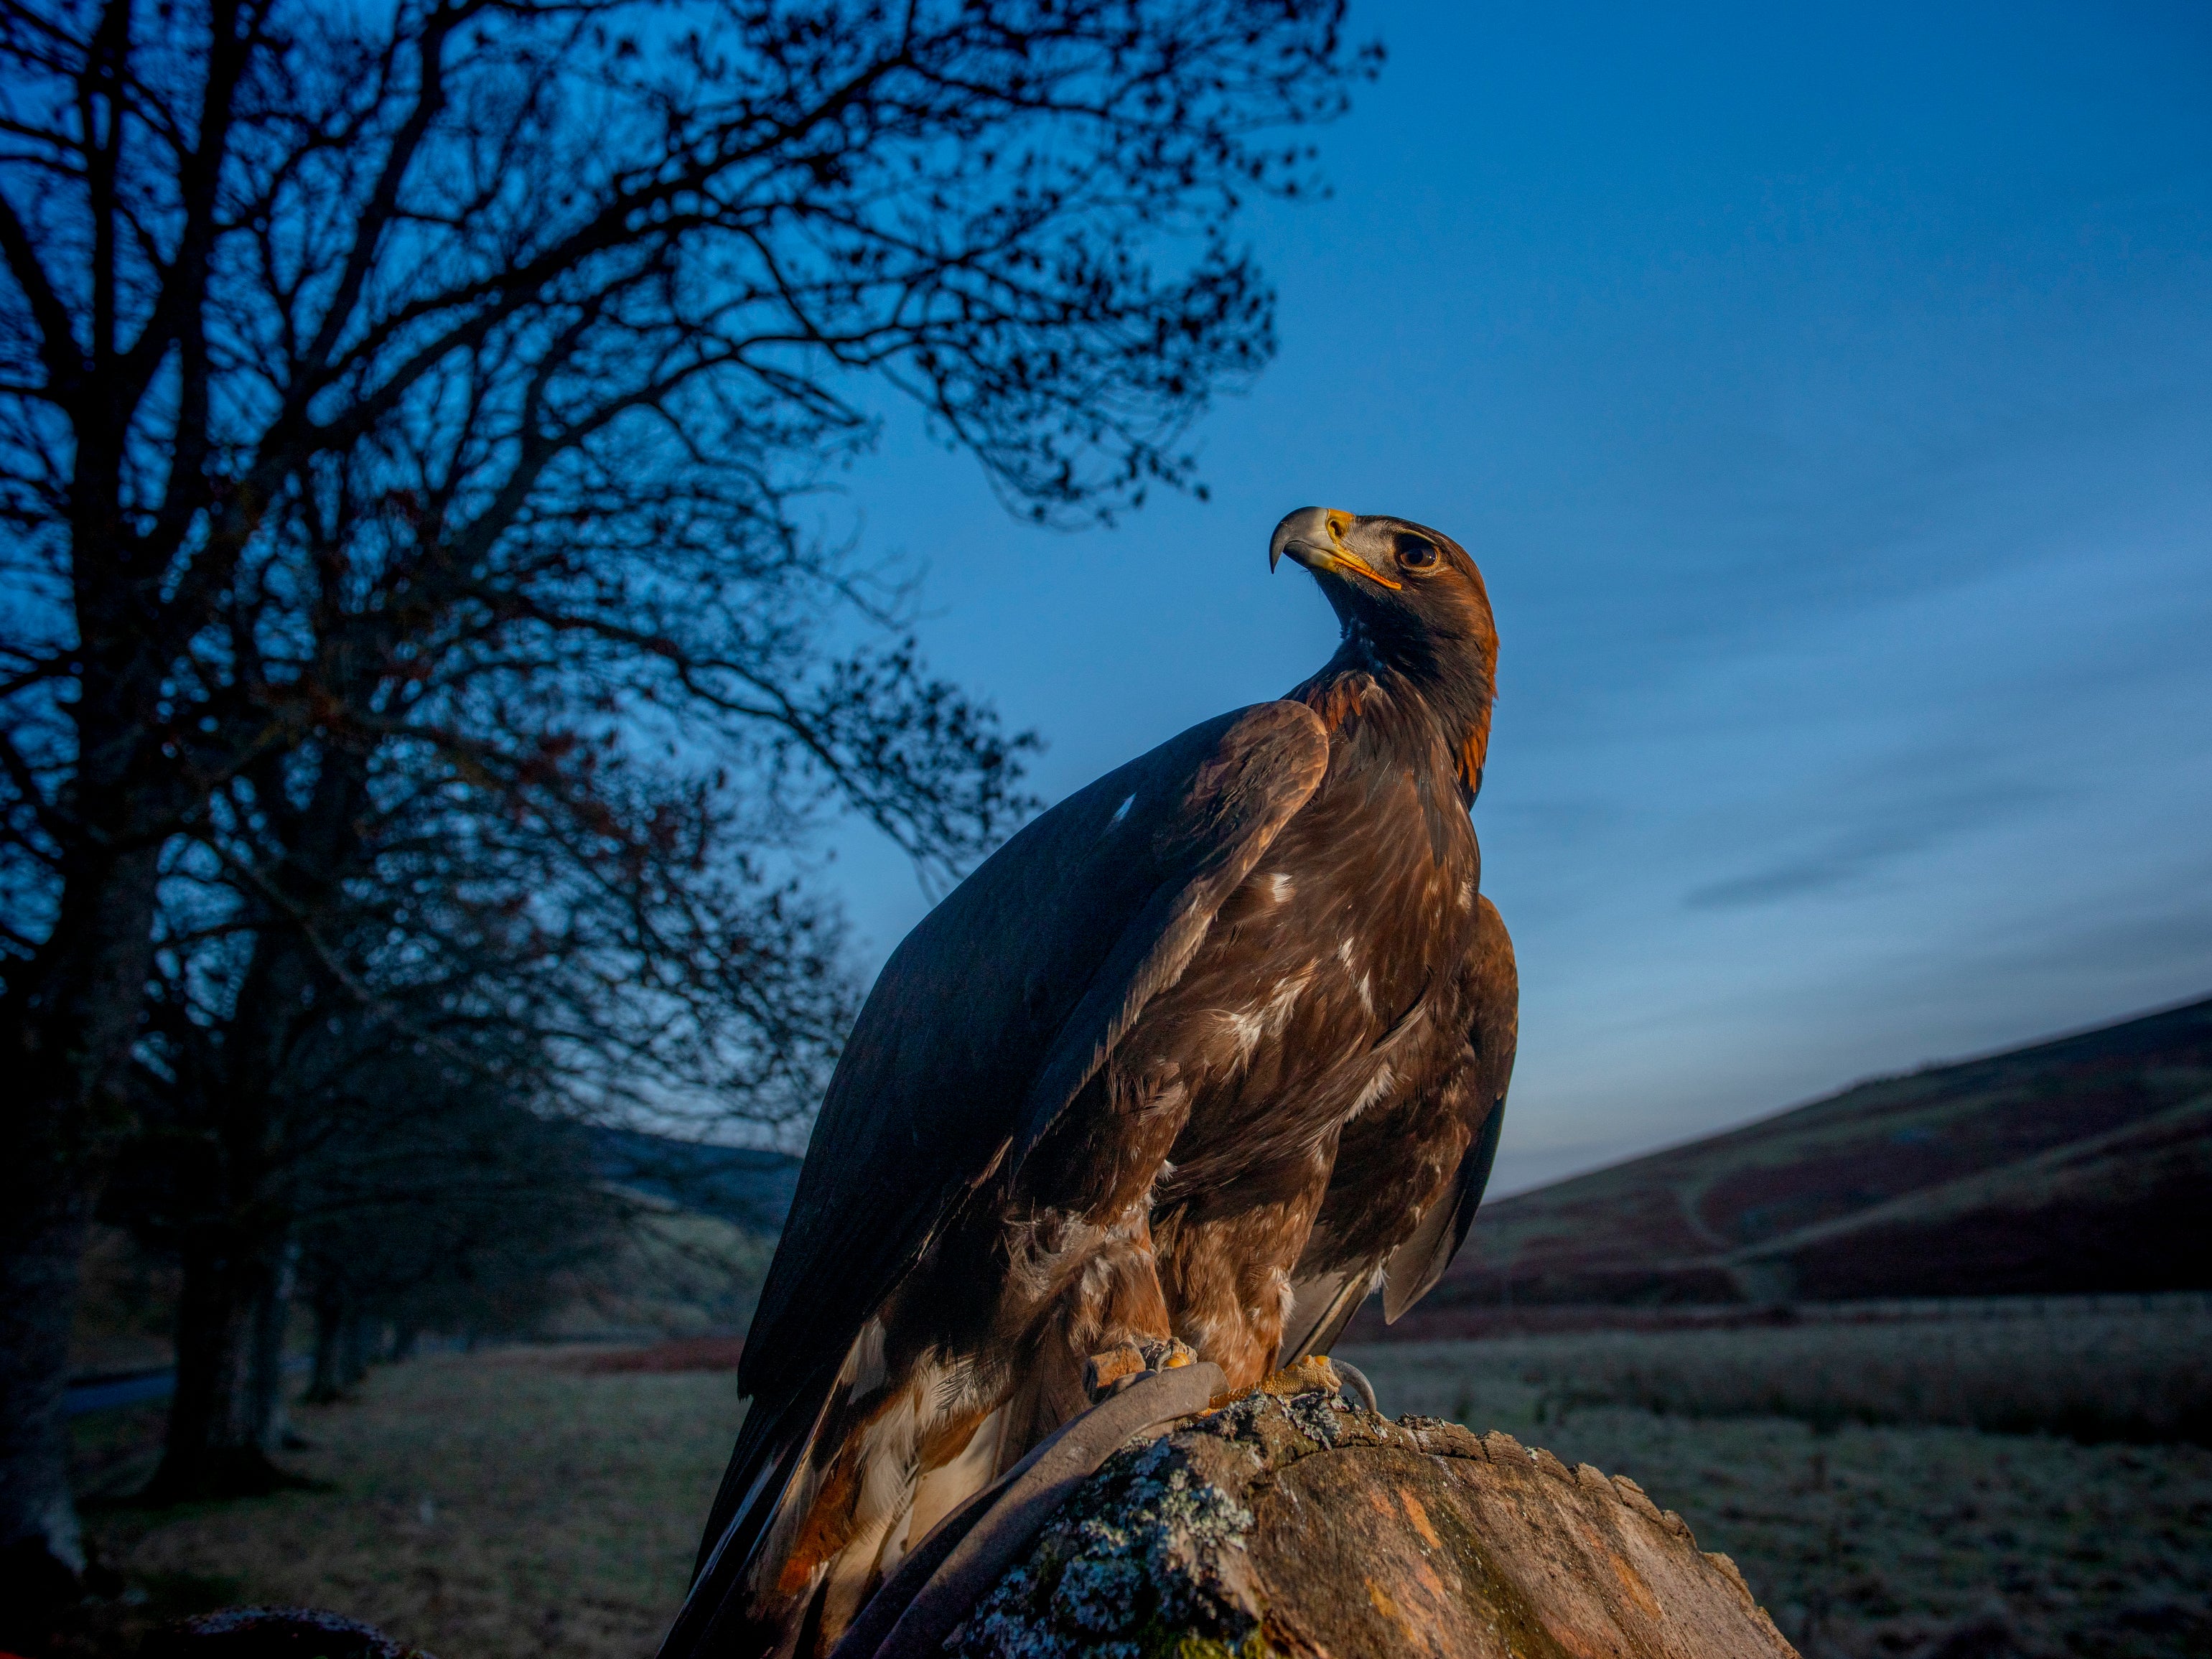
[(213, 1446), (353, 1352), (41, 1246), (228, 1403), (1290, 1525), (67, 1026), (267, 1420), (333, 1307)]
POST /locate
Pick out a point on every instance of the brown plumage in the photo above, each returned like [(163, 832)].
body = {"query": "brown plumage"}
[(1199, 1058)]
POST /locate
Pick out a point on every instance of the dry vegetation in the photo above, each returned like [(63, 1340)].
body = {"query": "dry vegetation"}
[(486, 1507), (516, 1505), (2143, 1376), (1825, 1460)]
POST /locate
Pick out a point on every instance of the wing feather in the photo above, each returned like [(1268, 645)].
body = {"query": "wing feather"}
[(1416, 1265), (1003, 1003)]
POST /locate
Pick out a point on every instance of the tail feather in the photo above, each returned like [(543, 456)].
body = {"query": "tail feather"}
[(1323, 1307), (826, 1493), (717, 1617)]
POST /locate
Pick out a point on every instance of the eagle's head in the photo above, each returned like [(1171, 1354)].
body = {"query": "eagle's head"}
[(1409, 593), (1411, 602)]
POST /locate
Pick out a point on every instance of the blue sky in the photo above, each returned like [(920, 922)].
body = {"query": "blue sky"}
[(1826, 394)]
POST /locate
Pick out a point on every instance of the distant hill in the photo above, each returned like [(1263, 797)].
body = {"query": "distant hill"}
[(744, 1185), (2079, 1165)]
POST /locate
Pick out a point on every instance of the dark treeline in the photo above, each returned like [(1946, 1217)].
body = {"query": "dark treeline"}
[(417, 671)]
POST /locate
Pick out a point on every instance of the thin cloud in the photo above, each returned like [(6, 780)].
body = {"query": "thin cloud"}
[(1907, 824)]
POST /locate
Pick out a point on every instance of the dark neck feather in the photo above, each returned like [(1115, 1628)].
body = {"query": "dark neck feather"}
[(1427, 702)]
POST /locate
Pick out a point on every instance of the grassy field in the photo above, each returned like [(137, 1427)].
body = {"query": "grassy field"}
[(486, 1507), (2144, 1374), (1882, 1538), (513, 1504)]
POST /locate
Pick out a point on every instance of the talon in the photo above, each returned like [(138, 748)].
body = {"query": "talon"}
[(1172, 1355)]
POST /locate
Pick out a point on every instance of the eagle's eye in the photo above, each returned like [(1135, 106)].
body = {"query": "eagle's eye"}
[(1415, 553)]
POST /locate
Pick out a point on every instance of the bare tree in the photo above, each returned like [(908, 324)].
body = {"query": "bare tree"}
[(530, 319), (392, 1166), (569, 936)]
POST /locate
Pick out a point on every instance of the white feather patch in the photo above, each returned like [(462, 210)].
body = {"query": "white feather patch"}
[(1248, 1028), (945, 1488), (864, 1360), (1380, 1084)]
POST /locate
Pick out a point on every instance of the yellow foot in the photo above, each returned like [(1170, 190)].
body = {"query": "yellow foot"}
[(1312, 1375)]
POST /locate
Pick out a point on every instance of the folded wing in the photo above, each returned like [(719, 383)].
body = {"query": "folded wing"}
[(985, 1022)]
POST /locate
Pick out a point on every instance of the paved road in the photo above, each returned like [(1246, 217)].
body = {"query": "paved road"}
[(136, 1387)]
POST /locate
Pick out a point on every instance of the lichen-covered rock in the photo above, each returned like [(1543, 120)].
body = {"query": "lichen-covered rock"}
[(275, 1633), (1148, 1558), (1290, 1527)]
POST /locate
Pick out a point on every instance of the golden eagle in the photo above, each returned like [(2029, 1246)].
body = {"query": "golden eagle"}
[(1195, 1062)]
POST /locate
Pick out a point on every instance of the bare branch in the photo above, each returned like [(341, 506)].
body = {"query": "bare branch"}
[(57, 346)]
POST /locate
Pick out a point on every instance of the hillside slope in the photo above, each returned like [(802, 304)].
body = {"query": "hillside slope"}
[(2079, 1164), (746, 1186)]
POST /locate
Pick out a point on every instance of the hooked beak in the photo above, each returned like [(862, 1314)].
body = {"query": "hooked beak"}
[(1314, 536)]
